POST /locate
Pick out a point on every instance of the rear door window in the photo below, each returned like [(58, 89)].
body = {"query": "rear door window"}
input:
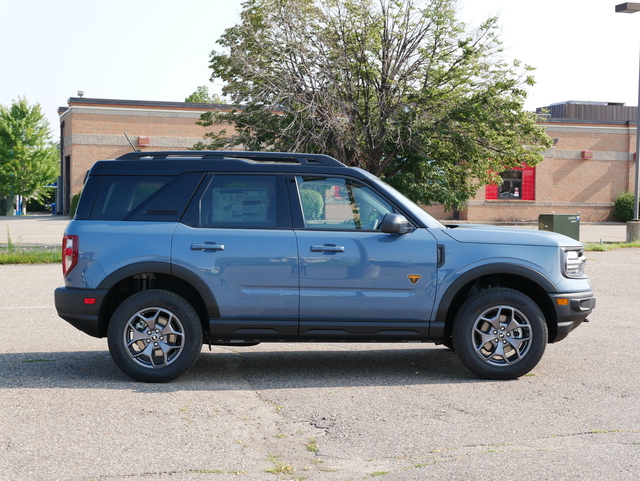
[(241, 201)]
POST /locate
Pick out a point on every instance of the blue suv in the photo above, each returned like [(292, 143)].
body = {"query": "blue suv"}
[(170, 250)]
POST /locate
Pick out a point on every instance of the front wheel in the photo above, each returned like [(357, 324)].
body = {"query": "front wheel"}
[(155, 336), (500, 333)]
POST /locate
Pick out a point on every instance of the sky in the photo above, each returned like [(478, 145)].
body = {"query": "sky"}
[(159, 49)]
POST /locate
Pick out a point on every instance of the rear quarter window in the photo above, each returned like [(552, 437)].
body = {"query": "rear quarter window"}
[(120, 195), (138, 198)]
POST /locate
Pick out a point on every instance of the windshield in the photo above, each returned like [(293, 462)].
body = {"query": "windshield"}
[(407, 204)]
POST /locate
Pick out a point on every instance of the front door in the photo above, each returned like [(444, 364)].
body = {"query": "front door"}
[(355, 280)]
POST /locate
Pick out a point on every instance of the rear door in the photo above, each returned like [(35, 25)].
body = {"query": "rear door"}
[(237, 237)]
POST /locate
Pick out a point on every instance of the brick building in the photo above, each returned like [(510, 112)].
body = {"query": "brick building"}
[(94, 129), (590, 163)]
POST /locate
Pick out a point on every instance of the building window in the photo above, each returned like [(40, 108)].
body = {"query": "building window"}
[(511, 187), (517, 184)]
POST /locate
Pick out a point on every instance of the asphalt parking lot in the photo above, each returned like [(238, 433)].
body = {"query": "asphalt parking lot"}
[(319, 411)]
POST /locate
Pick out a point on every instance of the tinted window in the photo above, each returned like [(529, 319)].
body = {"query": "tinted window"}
[(168, 203), (119, 196)]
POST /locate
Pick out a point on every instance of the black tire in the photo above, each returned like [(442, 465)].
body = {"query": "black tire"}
[(155, 336), (500, 333)]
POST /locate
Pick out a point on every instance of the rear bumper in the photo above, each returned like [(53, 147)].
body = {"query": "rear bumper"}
[(81, 309), (571, 311)]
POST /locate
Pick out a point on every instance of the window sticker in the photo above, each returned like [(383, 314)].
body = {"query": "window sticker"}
[(240, 205)]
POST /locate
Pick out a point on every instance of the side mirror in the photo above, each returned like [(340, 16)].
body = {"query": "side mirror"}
[(395, 224)]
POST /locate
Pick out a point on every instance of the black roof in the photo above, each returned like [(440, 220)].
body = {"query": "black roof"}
[(177, 162), (273, 157)]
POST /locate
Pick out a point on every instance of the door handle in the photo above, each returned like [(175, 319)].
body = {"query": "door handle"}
[(207, 246), (327, 248)]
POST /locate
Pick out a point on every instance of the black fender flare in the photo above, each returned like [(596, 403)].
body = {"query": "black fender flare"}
[(437, 328), (168, 269)]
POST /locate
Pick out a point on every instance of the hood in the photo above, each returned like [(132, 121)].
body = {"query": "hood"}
[(489, 234)]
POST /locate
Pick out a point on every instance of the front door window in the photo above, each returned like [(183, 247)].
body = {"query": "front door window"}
[(340, 204)]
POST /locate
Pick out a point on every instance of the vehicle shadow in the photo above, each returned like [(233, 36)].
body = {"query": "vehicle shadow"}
[(227, 368)]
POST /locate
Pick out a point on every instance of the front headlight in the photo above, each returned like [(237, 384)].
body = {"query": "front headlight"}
[(574, 262)]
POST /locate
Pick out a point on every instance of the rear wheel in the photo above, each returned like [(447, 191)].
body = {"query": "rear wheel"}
[(500, 334), (155, 336)]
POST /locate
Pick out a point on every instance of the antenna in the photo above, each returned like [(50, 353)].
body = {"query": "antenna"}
[(131, 143)]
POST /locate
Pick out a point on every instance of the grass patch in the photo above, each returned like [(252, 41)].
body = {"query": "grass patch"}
[(16, 254), (312, 445), (430, 463), (13, 254), (424, 465), (278, 467), (602, 247)]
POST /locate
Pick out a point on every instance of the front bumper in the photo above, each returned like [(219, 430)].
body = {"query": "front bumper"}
[(571, 310), (81, 309)]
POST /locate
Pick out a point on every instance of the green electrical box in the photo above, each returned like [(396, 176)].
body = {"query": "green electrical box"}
[(566, 224), (6, 205)]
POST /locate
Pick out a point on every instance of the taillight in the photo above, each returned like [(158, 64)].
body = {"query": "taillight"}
[(69, 253)]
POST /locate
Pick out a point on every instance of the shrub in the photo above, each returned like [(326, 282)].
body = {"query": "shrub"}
[(74, 204), (311, 203), (623, 207), (42, 202)]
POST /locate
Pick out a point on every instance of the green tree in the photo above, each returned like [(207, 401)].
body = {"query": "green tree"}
[(203, 96), (28, 159), (400, 88)]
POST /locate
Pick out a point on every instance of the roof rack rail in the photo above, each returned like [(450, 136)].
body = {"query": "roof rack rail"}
[(273, 157)]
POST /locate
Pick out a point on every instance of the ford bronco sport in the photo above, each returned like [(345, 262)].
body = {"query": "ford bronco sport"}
[(170, 250)]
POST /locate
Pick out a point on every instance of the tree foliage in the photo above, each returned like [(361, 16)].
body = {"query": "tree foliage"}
[(400, 88), (28, 159), (202, 95)]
